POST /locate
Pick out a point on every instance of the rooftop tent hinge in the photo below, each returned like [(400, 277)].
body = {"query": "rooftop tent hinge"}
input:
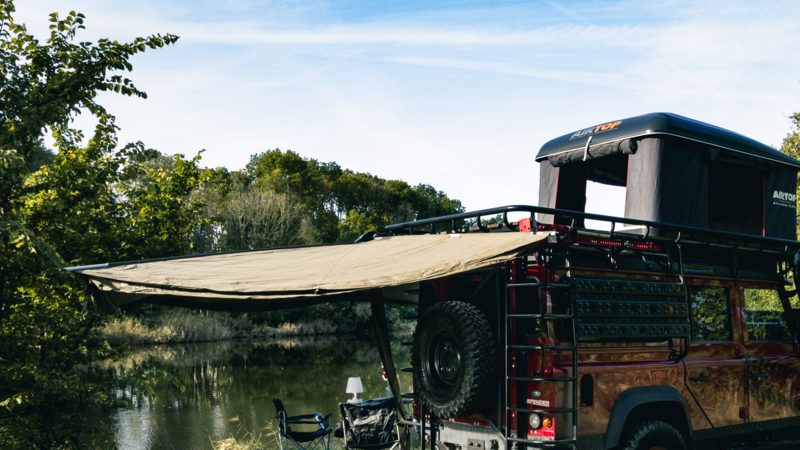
[(586, 149)]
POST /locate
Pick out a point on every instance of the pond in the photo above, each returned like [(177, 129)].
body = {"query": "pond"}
[(229, 387)]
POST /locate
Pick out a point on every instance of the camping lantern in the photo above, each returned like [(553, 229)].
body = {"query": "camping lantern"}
[(354, 387)]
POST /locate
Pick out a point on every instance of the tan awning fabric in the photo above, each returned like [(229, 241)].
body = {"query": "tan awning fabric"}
[(291, 277)]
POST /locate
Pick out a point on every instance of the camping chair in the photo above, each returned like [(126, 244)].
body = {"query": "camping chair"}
[(298, 438), (371, 425)]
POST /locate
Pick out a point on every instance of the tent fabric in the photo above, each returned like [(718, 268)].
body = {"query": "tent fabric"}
[(562, 188), (667, 181), (780, 200), (548, 187), (291, 277), (678, 181), (625, 147)]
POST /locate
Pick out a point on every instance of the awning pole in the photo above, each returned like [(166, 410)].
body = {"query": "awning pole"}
[(384, 347)]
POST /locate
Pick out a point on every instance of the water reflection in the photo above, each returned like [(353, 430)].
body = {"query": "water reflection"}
[(229, 387)]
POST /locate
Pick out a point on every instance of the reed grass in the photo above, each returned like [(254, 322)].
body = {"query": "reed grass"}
[(294, 329), (185, 326), (178, 325)]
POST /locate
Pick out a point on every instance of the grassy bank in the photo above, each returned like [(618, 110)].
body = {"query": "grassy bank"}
[(171, 326), (266, 439)]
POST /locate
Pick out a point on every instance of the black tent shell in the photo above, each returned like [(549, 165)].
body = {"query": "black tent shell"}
[(662, 124), (675, 170)]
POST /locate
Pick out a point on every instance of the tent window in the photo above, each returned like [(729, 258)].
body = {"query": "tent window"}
[(735, 198), (595, 186), (605, 199)]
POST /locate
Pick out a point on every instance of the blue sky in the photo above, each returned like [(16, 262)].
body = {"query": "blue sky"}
[(460, 95)]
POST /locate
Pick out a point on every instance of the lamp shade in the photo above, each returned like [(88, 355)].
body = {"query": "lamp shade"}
[(354, 385)]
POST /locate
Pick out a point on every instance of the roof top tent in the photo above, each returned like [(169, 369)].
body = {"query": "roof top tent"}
[(677, 171)]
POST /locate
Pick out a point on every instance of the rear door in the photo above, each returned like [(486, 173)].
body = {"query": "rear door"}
[(714, 372), (773, 369)]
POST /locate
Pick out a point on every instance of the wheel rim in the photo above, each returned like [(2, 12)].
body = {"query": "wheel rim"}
[(442, 362)]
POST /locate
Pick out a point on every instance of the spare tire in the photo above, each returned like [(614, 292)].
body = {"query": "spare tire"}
[(454, 355)]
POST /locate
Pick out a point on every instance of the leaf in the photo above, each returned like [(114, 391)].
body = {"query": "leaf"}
[(11, 159), (42, 247)]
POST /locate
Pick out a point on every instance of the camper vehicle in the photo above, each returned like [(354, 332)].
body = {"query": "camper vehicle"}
[(670, 328), (673, 327)]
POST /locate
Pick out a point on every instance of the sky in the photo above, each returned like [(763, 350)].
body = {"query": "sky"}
[(459, 95)]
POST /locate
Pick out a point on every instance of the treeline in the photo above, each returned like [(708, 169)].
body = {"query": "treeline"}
[(282, 199)]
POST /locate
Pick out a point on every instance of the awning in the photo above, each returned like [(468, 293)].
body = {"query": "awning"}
[(300, 276)]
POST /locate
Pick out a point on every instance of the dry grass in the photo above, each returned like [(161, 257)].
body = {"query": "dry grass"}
[(178, 325), (295, 329), (245, 441), (181, 326), (267, 439)]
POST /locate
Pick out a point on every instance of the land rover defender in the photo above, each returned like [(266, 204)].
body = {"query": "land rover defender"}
[(672, 327)]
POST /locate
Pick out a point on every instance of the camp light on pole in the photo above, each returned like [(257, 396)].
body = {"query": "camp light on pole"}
[(354, 387)]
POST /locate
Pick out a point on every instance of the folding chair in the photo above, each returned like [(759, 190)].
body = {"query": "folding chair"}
[(298, 438), (371, 425)]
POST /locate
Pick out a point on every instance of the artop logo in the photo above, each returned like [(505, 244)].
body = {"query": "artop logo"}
[(785, 196), (594, 130)]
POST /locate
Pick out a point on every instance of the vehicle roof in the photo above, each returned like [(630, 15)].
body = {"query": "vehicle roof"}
[(664, 124)]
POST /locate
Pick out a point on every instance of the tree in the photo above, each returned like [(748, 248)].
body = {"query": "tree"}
[(344, 204), (791, 146), (91, 202), (263, 219)]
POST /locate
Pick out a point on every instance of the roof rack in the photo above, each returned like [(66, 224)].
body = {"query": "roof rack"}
[(651, 230)]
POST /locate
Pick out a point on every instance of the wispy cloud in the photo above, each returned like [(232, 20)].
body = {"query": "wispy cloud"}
[(246, 33), (466, 89)]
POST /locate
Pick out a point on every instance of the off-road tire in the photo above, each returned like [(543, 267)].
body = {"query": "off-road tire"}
[(454, 355), (655, 435)]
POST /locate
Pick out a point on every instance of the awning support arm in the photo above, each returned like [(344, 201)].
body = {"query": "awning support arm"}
[(384, 347)]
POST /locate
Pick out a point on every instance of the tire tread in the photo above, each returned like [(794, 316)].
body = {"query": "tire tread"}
[(480, 350)]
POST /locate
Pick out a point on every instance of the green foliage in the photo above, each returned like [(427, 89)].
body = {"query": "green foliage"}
[(710, 318), (90, 202), (41, 157), (96, 201), (766, 318), (791, 143), (791, 147), (344, 204)]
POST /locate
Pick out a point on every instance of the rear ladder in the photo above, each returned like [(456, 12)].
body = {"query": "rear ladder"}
[(662, 316), (520, 281)]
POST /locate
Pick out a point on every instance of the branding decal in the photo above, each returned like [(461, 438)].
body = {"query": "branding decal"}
[(787, 199), (595, 130), (545, 403)]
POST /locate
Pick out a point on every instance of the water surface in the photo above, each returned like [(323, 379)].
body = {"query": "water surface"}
[(229, 387)]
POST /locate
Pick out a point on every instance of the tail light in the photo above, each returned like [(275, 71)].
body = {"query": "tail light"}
[(546, 426)]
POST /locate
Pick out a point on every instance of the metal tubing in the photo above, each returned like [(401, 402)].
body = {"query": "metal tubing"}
[(539, 316), (544, 411), (577, 214), (539, 379)]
